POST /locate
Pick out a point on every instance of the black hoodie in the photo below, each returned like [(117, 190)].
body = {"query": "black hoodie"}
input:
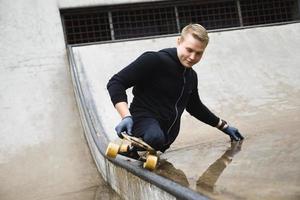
[(162, 89)]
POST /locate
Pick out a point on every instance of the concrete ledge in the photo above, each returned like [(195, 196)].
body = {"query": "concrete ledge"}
[(128, 179)]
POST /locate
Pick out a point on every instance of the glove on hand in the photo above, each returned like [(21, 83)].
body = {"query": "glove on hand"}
[(233, 133), (124, 126)]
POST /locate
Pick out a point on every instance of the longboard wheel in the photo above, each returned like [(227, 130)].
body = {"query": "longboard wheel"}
[(151, 162), (112, 150), (124, 148)]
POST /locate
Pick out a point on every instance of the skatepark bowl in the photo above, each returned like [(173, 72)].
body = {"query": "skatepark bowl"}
[(249, 77)]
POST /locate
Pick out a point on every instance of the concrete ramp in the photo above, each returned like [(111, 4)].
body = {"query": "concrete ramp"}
[(249, 77)]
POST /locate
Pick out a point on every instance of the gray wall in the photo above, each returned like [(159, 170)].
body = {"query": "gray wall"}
[(42, 146)]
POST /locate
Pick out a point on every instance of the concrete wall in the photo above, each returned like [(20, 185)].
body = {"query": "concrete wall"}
[(42, 149)]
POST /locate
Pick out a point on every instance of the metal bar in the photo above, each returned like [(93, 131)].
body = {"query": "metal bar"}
[(111, 26), (177, 19), (238, 4), (298, 14)]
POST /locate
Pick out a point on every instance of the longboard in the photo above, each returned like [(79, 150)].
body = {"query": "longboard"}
[(149, 157)]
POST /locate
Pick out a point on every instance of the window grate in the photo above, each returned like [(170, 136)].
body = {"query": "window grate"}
[(86, 27), (268, 11), (136, 20), (213, 15)]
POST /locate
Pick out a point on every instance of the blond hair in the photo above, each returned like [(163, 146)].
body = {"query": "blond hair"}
[(197, 31)]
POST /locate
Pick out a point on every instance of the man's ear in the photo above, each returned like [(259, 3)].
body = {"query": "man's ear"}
[(179, 39)]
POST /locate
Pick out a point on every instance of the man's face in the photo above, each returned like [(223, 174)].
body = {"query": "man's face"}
[(189, 50)]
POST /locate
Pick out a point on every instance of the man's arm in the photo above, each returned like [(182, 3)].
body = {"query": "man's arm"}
[(130, 76), (197, 109), (122, 108), (135, 73)]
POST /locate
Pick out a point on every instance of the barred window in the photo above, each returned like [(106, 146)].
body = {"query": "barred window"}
[(213, 15), (86, 27), (268, 11), (141, 22), (106, 23)]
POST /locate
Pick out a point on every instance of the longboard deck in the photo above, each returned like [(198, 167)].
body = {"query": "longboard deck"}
[(138, 142)]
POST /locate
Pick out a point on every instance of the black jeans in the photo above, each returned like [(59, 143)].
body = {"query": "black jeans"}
[(150, 131)]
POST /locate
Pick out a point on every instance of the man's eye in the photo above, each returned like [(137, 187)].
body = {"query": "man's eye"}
[(199, 53), (189, 50)]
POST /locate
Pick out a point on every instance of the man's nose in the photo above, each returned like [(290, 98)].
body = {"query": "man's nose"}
[(193, 56)]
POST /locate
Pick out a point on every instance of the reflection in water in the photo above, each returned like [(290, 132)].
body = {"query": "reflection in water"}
[(208, 179), (166, 169)]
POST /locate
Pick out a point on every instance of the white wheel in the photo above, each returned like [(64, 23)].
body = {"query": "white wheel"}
[(112, 150)]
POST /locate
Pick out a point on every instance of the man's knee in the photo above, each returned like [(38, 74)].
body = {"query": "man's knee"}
[(155, 139), (149, 129)]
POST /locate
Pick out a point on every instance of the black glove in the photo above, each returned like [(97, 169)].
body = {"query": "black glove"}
[(124, 126), (233, 133)]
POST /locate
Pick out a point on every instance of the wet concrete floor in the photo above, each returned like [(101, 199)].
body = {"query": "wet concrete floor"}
[(263, 166)]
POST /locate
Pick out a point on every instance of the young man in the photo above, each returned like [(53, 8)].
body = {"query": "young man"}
[(164, 84)]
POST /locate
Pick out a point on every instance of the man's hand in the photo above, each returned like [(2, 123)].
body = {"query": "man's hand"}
[(233, 133), (124, 126)]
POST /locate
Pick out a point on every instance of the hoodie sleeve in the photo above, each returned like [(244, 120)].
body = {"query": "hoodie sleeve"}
[(198, 110), (136, 72)]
